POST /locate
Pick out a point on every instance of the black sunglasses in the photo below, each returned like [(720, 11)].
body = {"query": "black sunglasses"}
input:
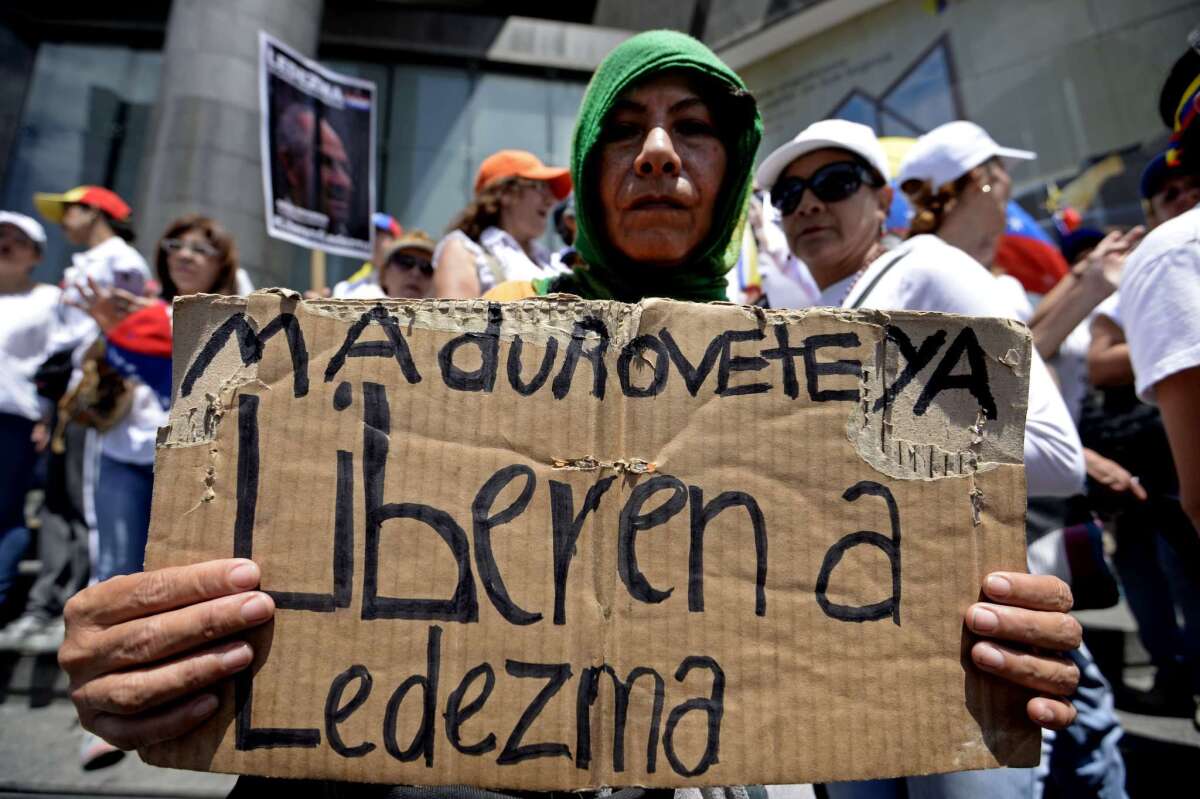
[(831, 183), (411, 262)]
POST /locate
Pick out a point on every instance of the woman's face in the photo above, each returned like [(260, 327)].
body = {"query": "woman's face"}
[(833, 237), (524, 208), (193, 262), (976, 220), (18, 253), (408, 273), (661, 165), (77, 223)]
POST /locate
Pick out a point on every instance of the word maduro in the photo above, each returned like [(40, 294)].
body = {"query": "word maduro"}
[(589, 343), (463, 605)]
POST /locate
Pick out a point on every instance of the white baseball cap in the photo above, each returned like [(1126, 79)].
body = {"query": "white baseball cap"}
[(950, 151), (27, 225), (838, 133)]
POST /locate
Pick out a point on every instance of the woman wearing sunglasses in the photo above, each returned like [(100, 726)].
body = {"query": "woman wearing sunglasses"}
[(830, 185), (407, 270)]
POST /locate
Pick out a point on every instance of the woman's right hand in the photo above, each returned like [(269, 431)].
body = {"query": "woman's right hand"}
[(143, 649)]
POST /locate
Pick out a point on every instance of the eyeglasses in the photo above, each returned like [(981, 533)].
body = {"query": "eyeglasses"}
[(201, 248), (831, 183), (407, 262)]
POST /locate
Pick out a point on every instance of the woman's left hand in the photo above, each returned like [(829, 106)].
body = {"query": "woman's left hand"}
[(1025, 628), (108, 306)]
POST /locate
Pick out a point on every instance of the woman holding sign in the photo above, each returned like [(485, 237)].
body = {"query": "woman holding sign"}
[(662, 156)]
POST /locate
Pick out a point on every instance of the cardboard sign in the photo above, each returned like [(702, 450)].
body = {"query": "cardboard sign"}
[(560, 544)]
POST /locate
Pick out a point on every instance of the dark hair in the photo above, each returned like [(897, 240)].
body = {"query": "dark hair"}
[(483, 211), (930, 207), (123, 229), (1180, 77), (1185, 70), (226, 280)]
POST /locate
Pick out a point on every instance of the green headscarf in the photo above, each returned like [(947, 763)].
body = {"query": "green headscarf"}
[(606, 274)]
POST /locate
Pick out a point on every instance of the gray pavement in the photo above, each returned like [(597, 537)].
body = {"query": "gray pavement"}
[(39, 753)]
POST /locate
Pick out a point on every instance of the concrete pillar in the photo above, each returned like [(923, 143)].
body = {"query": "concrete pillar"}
[(203, 154)]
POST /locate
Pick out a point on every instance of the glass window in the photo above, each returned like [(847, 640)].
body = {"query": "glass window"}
[(86, 120), (857, 108), (923, 98)]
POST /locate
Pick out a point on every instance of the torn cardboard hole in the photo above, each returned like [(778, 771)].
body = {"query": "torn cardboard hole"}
[(561, 544)]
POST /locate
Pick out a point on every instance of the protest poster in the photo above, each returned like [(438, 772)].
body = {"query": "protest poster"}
[(317, 136), (560, 544)]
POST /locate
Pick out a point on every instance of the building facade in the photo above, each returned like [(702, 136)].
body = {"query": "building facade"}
[(159, 100)]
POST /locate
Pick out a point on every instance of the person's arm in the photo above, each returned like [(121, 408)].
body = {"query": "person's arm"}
[(1077, 294), (1108, 355), (1112, 475), (1178, 398), (454, 274), (1071, 307), (143, 651)]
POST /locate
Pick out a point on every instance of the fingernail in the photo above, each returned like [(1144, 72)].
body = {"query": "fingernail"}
[(204, 706), (998, 586), (244, 575), (237, 658), (1045, 715), (256, 608), (989, 656), (984, 621)]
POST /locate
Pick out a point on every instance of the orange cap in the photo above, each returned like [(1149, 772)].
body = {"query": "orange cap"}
[(522, 164), (53, 206)]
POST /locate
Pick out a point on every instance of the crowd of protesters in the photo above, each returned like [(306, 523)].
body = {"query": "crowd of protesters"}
[(666, 204)]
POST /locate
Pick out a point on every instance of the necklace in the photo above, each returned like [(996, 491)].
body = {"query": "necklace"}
[(871, 258), (849, 288)]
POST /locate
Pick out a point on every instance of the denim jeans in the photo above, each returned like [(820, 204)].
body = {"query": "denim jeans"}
[(1157, 586), (1084, 759), (17, 458), (123, 493)]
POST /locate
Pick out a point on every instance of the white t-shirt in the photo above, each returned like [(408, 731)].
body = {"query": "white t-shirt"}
[(507, 256), (1110, 307), (27, 323), (362, 285), (934, 276), (1015, 295), (111, 264), (1070, 362), (1160, 302)]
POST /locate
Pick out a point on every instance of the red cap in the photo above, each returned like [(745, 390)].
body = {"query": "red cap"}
[(522, 164), (53, 206)]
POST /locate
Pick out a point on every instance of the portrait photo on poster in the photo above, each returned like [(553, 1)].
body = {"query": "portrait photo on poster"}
[(317, 138)]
